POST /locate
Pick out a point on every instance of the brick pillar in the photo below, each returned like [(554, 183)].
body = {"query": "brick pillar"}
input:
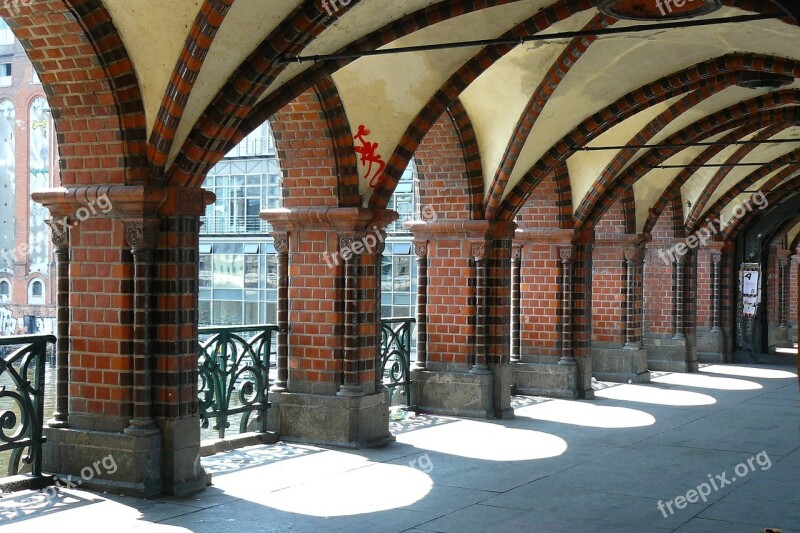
[(716, 260), (60, 237), (516, 315), (421, 253), (132, 356), (567, 254), (332, 394), (710, 297), (617, 351), (282, 357), (633, 298), (468, 326), (783, 291), (142, 237), (678, 306)]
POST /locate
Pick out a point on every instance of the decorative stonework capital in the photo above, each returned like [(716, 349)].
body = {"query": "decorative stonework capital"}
[(566, 253), (516, 252), (716, 257), (783, 261), (347, 248), (281, 242), (141, 234), (59, 232), (633, 254), (421, 248), (479, 250)]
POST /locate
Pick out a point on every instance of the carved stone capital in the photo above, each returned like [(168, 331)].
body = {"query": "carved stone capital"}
[(142, 234), (516, 252), (479, 250), (59, 232), (633, 254), (421, 248), (783, 261), (566, 253), (716, 257), (281, 242)]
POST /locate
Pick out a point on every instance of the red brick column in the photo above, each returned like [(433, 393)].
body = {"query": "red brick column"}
[(333, 323), (468, 318), (132, 388)]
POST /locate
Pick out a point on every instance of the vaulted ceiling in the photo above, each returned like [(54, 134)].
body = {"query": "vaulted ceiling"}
[(534, 106)]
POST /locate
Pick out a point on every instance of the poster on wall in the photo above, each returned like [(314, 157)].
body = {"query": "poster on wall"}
[(749, 277)]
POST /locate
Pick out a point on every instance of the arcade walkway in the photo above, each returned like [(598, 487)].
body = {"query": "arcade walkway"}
[(600, 465)]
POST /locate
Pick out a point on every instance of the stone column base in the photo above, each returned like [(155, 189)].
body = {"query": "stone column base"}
[(620, 365), (454, 393), (349, 421), (503, 383), (667, 354), (546, 379), (180, 463), (132, 467), (711, 346)]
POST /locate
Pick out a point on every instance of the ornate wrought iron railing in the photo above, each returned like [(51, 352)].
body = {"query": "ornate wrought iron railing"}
[(396, 355), (22, 370), (234, 366)]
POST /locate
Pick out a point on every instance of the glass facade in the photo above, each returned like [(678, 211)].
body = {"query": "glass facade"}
[(238, 264)]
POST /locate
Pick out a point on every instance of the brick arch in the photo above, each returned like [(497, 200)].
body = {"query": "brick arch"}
[(555, 75), (415, 21), (305, 146), (694, 98), (730, 195), (442, 169), (213, 134), (673, 189), (181, 83), (669, 226), (738, 225), (693, 78), (543, 211), (473, 167), (712, 125), (205, 144), (722, 173), (453, 87), (91, 88), (472, 69), (344, 150)]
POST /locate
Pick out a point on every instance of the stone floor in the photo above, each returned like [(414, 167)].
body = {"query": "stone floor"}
[(601, 465)]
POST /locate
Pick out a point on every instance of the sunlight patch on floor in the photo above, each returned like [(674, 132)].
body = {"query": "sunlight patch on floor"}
[(587, 414), (487, 441), (354, 492), (654, 395), (706, 382), (748, 372)]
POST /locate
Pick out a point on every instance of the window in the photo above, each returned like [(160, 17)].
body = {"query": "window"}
[(5, 74), (243, 189), (36, 292), (5, 291), (398, 280), (6, 35), (404, 199), (238, 283)]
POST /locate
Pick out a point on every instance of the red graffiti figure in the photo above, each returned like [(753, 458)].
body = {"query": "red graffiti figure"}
[(369, 157)]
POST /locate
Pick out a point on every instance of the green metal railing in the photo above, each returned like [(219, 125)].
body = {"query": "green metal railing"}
[(234, 366), (22, 369), (396, 355)]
